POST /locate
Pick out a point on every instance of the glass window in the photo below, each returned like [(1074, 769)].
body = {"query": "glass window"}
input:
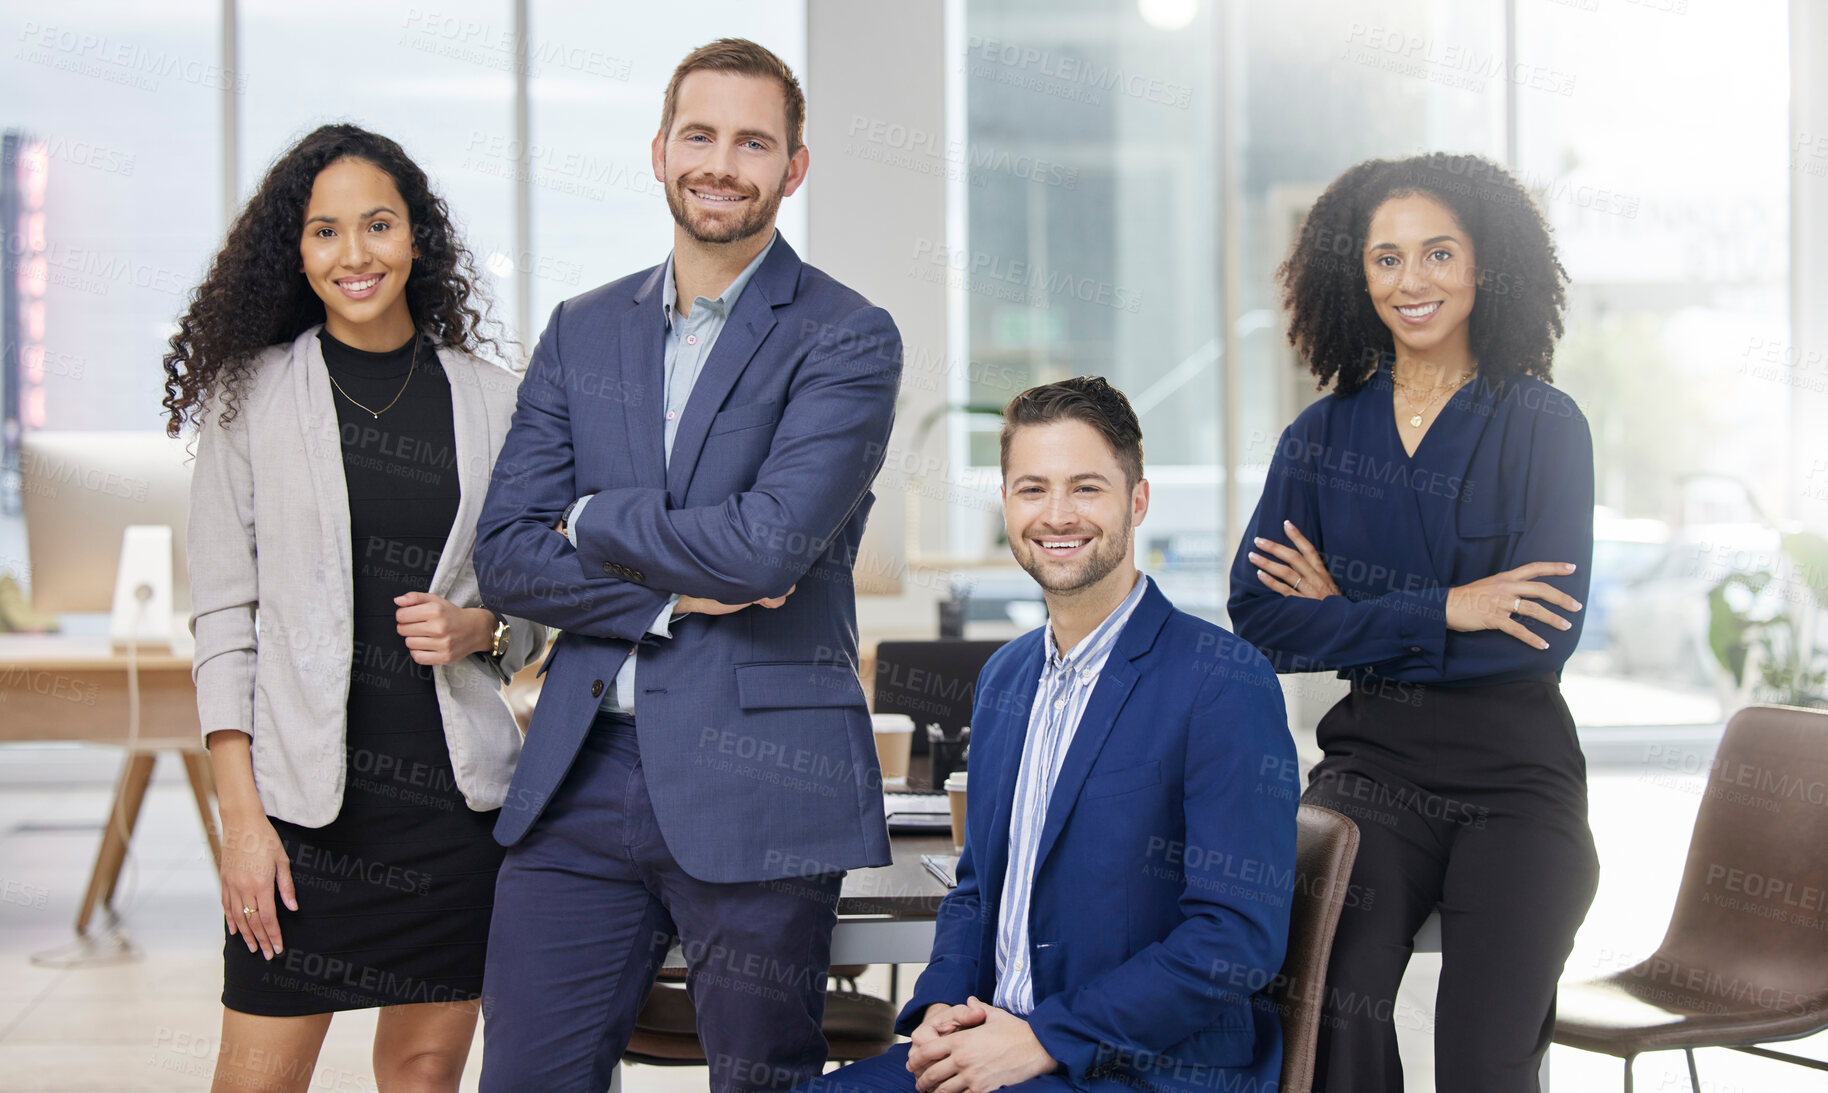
[(1138, 169), (1102, 225), (437, 79), (598, 212), (1669, 199), (125, 103)]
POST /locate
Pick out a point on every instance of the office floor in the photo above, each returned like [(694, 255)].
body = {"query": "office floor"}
[(151, 1023)]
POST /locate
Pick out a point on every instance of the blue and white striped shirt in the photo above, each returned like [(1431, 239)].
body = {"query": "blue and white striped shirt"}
[(1060, 700)]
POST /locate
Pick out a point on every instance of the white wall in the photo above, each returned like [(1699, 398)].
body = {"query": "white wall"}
[(875, 124)]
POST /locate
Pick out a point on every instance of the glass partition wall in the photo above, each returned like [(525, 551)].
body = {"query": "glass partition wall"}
[(1138, 169)]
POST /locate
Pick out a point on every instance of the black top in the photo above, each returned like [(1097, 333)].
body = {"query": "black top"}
[(401, 472)]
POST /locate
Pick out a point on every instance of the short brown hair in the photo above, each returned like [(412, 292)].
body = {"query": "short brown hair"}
[(1086, 398), (740, 57)]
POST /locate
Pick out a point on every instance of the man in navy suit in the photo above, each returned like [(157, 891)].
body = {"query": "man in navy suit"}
[(682, 492), (1124, 891)]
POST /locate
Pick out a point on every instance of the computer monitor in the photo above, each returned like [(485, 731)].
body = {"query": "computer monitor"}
[(934, 682), (81, 490)]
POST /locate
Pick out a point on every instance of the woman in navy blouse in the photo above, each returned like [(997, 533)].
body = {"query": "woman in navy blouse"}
[(1426, 530)]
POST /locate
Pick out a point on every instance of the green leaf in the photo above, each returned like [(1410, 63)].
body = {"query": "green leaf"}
[(1726, 632), (1809, 552)]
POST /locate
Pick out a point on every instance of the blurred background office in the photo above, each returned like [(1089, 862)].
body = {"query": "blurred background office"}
[(1035, 189)]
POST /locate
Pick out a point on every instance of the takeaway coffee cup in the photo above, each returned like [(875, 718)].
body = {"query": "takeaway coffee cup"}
[(894, 736), (955, 793)]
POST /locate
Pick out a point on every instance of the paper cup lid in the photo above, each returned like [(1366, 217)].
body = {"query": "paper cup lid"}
[(955, 780), (891, 722)]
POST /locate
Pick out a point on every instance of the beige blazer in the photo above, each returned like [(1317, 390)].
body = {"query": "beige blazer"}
[(272, 587)]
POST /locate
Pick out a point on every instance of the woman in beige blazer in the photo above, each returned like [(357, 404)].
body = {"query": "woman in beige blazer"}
[(349, 678)]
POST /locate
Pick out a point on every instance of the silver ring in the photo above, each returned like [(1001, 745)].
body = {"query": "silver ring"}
[(1518, 606), (1298, 581)]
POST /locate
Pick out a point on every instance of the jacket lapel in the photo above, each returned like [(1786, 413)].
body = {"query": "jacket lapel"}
[(473, 445), (1115, 681), (324, 450), (1003, 764), (772, 286), (643, 363)]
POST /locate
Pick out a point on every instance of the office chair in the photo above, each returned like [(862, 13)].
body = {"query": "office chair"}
[(1745, 959), (857, 1025), (1326, 845)]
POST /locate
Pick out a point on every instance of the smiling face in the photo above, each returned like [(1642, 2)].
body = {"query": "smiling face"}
[(357, 252), (725, 162), (1069, 513), (1420, 270)]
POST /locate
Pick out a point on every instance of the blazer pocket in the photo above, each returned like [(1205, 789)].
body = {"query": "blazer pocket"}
[(752, 416), (796, 685), (1126, 780)]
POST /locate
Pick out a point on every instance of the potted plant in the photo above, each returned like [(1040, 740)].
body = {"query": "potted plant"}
[(1762, 625)]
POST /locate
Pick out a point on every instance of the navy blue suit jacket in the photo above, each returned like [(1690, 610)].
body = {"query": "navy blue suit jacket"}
[(753, 730), (1166, 866)]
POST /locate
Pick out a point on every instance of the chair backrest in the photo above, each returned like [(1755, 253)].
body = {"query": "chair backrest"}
[(930, 681), (1326, 844), (1753, 906)]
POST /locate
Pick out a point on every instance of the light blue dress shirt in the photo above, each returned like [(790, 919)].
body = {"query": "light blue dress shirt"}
[(1066, 687), (688, 344)]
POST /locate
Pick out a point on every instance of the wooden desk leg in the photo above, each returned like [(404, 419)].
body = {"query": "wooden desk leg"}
[(128, 796), (202, 786)]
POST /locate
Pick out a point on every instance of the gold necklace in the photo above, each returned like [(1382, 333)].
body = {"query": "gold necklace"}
[(409, 378), (1415, 421)]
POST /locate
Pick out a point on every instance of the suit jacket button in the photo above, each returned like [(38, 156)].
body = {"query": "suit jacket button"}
[(637, 576), (609, 569), (596, 688)]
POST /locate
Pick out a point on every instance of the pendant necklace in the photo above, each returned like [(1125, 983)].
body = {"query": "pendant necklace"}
[(409, 378), (1415, 420)]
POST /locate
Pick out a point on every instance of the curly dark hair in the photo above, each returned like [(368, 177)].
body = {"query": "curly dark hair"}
[(255, 295), (1522, 289)]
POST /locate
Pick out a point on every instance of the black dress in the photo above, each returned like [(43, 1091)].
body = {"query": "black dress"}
[(394, 895)]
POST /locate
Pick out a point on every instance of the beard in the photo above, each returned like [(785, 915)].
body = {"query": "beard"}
[(700, 224), (1105, 556)]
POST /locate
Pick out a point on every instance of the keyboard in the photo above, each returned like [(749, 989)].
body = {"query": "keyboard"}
[(918, 812)]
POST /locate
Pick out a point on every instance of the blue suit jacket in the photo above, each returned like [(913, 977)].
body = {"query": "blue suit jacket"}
[(753, 730), (1166, 865)]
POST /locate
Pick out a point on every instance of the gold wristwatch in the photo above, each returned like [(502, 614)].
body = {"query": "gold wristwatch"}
[(503, 634)]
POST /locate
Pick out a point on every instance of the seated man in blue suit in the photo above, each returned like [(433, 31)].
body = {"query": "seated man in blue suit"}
[(682, 492), (1125, 887)]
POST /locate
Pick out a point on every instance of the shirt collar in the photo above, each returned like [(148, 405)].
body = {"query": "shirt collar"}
[(669, 297), (1095, 644)]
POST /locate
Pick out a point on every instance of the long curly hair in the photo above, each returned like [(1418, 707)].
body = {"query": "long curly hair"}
[(1522, 288), (255, 295)]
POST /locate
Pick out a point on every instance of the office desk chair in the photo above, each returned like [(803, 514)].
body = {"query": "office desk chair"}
[(857, 1025), (1745, 959), (1326, 845)]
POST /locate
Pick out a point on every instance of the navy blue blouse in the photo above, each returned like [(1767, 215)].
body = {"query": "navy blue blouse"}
[(1500, 479)]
